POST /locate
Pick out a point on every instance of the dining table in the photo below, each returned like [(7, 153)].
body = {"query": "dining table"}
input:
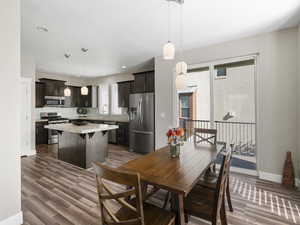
[(177, 175)]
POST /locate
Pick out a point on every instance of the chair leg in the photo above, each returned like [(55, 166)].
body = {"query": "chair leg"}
[(214, 168), (229, 198), (223, 214), (186, 217), (167, 199)]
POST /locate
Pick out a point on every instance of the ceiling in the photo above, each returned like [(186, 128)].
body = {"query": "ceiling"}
[(132, 32)]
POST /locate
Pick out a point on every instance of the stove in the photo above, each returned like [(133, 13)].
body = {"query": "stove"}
[(53, 118)]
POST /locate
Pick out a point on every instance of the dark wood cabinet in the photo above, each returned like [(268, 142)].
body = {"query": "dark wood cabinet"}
[(39, 94), (41, 133), (149, 81), (53, 87), (86, 100), (143, 82), (124, 89), (123, 134)]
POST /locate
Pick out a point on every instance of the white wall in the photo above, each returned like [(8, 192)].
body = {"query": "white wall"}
[(298, 89), (277, 92), (28, 71), (111, 79), (10, 171), (71, 80)]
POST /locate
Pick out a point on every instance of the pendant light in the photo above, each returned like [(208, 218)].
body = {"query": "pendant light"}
[(84, 90), (67, 92), (169, 48), (181, 67)]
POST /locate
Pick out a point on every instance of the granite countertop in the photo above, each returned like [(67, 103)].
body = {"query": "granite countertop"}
[(41, 120), (100, 118), (85, 129)]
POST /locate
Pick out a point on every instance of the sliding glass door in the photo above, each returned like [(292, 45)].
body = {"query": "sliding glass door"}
[(221, 95)]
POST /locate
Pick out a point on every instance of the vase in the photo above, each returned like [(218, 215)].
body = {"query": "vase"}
[(288, 177), (175, 150)]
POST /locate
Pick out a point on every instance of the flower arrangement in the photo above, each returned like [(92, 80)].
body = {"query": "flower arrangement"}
[(175, 136), (175, 140)]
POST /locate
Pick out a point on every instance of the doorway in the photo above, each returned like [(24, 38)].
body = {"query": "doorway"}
[(224, 99), (25, 117)]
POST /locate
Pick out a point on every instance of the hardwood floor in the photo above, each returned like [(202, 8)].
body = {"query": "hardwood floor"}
[(54, 192)]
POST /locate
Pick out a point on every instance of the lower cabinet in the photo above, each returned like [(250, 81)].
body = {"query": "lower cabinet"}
[(123, 134), (41, 133)]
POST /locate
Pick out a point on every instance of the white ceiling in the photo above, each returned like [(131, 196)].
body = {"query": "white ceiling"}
[(119, 32)]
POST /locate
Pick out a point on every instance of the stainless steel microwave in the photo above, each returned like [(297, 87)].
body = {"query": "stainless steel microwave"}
[(54, 101)]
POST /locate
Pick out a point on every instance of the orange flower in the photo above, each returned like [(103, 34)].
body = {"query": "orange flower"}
[(181, 132)]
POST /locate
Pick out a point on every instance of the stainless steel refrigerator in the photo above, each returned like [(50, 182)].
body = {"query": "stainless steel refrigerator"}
[(141, 126)]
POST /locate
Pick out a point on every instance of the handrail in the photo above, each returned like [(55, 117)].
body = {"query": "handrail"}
[(218, 121), (239, 134)]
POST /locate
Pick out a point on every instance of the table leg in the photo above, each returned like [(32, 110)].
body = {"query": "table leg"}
[(144, 188), (177, 206)]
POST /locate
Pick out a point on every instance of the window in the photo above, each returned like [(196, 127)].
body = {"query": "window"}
[(185, 105), (115, 109), (104, 99)]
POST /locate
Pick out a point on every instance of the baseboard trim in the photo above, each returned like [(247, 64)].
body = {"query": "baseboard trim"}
[(33, 152), (275, 177), (13, 220)]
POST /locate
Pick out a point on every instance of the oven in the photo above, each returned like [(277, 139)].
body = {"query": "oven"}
[(54, 101), (53, 118)]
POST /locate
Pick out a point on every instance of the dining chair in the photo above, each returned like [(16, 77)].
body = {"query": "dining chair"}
[(204, 135), (208, 204), (213, 185), (126, 207), (209, 136)]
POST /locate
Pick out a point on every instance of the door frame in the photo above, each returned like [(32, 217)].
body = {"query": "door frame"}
[(210, 64), (28, 82)]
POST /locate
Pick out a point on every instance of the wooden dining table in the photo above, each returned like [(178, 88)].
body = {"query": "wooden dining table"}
[(176, 175)]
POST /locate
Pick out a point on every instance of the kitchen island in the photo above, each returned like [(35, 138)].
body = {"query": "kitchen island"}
[(82, 145)]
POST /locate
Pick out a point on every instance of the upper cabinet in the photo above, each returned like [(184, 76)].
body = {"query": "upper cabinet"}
[(143, 82), (48, 87), (39, 94), (90, 100), (53, 87), (124, 89)]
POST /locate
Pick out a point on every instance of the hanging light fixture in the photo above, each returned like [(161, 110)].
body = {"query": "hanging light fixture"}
[(67, 92), (181, 67), (84, 90), (169, 47)]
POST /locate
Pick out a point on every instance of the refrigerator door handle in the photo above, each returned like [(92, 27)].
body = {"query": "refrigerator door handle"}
[(142, 118), (140, 110), (142, 132)]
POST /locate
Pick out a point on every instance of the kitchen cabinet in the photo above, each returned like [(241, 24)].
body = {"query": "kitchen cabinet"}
[(78, 100), (123, 134), (39, 94), (90, 100), (53, 87), (143, 82), (124, 89), (41, 133), (149, 81)]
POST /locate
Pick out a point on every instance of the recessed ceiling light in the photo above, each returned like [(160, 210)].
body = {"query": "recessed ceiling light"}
[(124, 67), (42, 28), (84, 49), (67, 55)]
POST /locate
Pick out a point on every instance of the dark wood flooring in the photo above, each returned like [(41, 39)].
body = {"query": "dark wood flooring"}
[(54, 192)]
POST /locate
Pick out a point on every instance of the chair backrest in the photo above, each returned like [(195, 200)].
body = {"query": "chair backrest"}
[(204, 135), (106, 195), (222, 183)]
